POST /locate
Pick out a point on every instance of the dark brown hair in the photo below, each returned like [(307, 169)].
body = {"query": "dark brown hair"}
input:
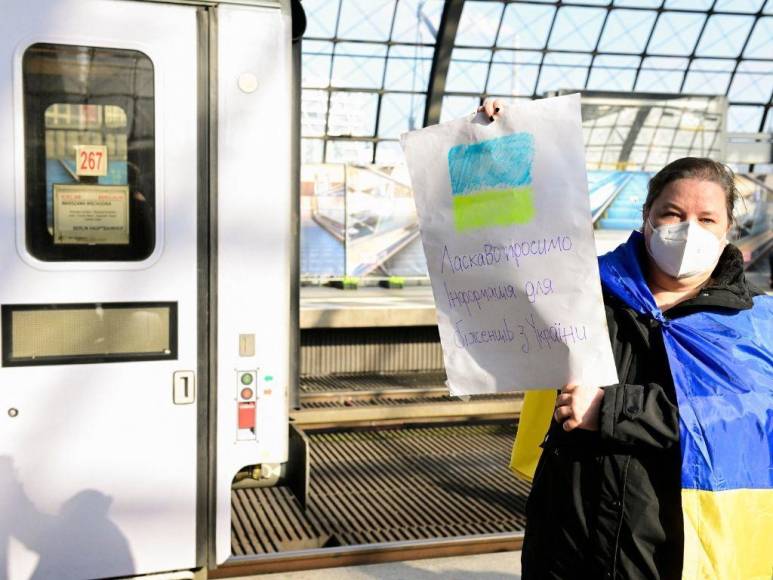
[(694, 168)]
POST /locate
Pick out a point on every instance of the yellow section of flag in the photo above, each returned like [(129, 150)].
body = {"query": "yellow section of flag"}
[(532, 426), (728, 535)]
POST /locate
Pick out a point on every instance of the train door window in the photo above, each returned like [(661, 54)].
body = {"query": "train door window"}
[(88, 333), (89, 130)]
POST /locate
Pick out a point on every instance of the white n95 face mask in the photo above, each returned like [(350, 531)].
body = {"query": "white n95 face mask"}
[(684, 249)]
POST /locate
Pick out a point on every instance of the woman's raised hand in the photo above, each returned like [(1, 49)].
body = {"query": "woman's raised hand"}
[(492, 107)]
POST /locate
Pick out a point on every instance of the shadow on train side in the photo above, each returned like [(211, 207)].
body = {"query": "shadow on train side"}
[(56, 540)]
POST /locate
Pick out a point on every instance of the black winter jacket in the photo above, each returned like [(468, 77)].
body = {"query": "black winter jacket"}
[(607, 504)]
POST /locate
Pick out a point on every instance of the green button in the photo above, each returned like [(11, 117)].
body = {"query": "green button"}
[(247, 379)]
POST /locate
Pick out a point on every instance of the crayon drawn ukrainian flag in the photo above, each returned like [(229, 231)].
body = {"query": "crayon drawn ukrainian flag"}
[(491, 182)]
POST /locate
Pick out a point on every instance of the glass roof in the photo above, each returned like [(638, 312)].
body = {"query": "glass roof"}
[(367, 65)]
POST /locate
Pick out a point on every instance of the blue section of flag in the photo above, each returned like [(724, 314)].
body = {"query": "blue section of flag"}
[(722, 366), (499, 163), (725, 397)]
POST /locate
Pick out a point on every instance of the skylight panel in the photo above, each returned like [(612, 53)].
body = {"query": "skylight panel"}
[(525, 26), (576, 28), (479, 23), (627, 31), (725, 35), (358, 65), (467, 71), (676, 33), (371, 20)]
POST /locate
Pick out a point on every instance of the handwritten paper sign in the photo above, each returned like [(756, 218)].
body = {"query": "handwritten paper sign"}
[(505, 222)]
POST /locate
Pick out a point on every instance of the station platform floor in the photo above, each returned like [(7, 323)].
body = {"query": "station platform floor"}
[(496, 566), (323, 307)]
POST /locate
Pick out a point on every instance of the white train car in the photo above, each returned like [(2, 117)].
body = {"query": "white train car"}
[(145, 276)]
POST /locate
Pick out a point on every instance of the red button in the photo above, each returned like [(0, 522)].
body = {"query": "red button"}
[(246, 393), (246, 415)]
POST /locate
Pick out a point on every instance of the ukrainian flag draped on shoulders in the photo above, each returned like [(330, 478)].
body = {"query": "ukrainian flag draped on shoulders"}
[(722, 365)]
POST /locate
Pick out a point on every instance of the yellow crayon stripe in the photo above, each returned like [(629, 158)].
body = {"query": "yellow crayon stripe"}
[(493, 207)]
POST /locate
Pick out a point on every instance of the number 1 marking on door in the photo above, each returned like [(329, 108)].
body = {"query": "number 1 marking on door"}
[(184, 387)]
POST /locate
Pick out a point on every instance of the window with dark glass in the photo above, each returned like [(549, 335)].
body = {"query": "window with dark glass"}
[(89, 153), (45, 334)]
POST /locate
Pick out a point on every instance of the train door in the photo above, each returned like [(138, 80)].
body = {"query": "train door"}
[(98, 287)]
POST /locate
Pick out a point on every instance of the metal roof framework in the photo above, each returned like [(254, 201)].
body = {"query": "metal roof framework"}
[(375, 69)]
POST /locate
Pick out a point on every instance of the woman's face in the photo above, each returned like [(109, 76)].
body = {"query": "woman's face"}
[(690, 200)]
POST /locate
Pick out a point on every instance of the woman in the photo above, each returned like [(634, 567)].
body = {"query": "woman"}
[(606, 500)]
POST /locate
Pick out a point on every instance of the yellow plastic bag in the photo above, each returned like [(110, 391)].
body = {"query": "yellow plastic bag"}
[(536, 412)]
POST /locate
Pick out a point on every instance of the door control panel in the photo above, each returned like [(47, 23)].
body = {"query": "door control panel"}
[(246, 405)]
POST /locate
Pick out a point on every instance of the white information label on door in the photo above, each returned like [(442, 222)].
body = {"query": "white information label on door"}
[(90, 160), (91, 214)]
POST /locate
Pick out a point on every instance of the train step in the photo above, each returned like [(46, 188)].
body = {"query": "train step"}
[(388, 485)]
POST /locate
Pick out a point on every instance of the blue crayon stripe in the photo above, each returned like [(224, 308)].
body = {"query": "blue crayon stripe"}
[(499, 163)]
